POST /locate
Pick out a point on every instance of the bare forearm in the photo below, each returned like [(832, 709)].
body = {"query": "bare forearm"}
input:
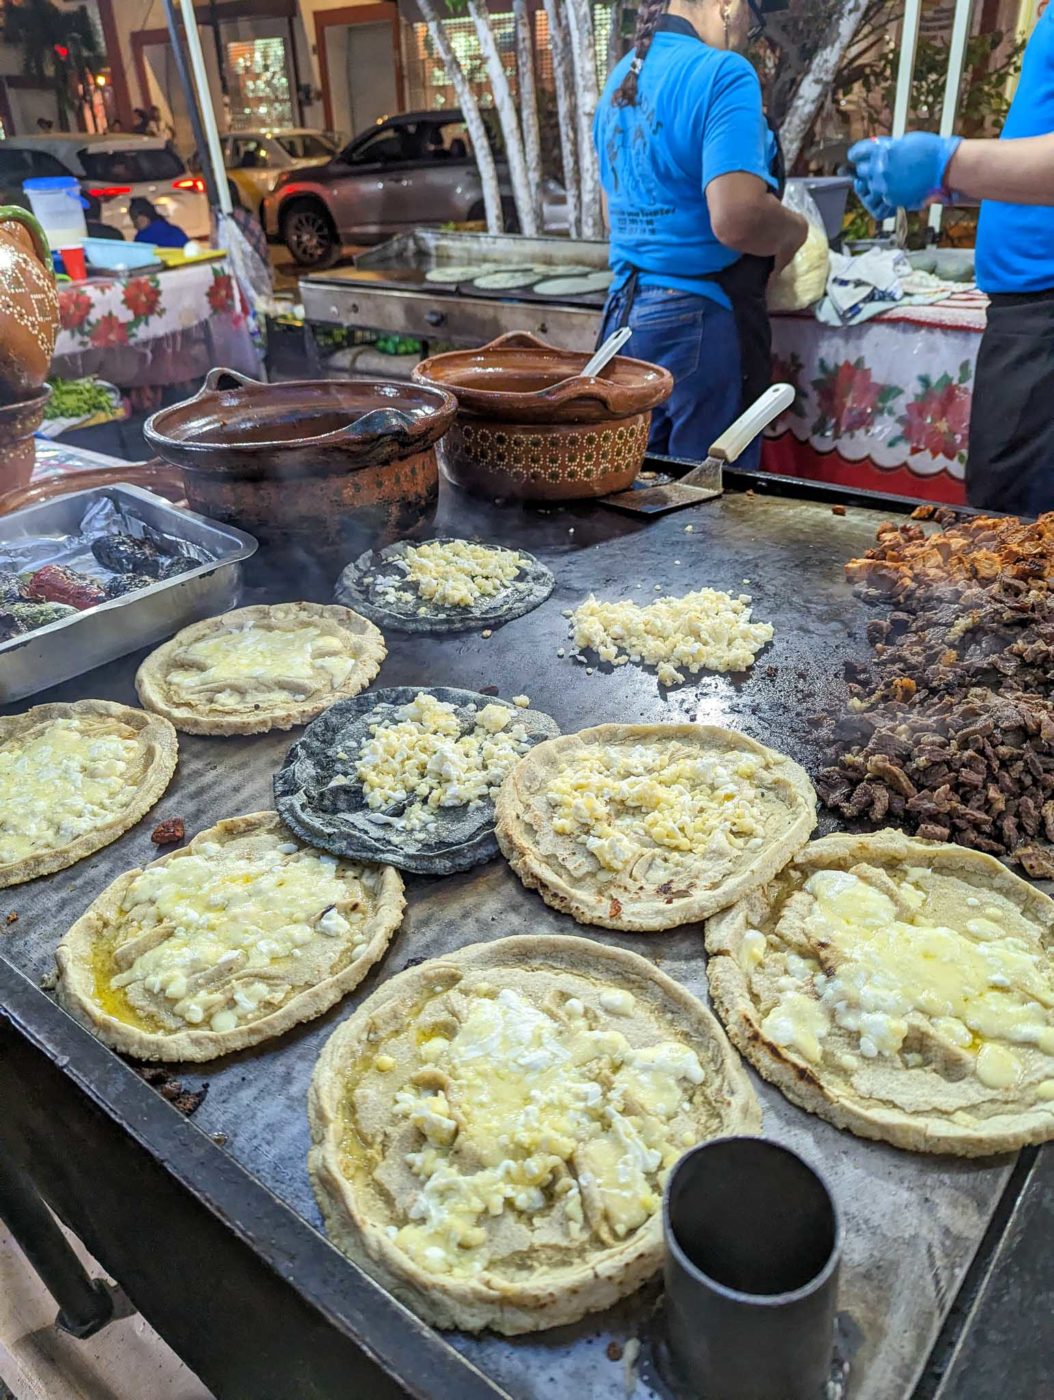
[(1018, 171), (748, 218), (766, 230)]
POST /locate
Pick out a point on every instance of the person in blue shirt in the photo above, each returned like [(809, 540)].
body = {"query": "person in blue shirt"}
[(152, 227), (1010, 463), (691, 177)]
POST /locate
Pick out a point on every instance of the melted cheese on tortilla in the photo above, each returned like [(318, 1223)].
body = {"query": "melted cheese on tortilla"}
[(622, 800), (982, 988), (530, 1112), (61, 780), (704, 630), (458, 574), (425, 759), (212, 931), (260, 662)]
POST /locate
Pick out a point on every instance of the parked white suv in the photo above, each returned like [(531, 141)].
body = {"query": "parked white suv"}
[(117, 169)]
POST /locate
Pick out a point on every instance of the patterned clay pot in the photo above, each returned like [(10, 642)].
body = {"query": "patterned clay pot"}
[(18, 422), (323, 469), (530, 426), (29, 305)]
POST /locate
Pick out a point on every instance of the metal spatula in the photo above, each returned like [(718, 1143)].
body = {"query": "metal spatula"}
[(704, 481)]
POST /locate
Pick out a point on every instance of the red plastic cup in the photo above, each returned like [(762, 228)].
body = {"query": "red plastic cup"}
[(73, 262)]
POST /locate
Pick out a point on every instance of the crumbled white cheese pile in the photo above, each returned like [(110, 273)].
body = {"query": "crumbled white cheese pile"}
[(457, 574), (544, 1117), (705, 630), (619, 801), (427, 761)]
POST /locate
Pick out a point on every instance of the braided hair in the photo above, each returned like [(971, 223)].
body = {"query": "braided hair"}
[(648, 15)]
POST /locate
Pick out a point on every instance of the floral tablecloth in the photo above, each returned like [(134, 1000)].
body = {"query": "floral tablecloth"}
[(157, 329), (884, 405)]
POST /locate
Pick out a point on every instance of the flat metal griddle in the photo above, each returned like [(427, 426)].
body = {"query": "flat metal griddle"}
[(386, 289), (912, 1223)]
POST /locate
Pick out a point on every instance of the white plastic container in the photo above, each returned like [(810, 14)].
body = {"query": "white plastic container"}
[(59, 206)]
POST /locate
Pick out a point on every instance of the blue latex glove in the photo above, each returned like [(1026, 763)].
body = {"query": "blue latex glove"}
[(873, 203), (905, 173)]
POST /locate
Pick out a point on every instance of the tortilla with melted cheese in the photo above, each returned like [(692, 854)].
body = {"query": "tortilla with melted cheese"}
[(644, 827), (492, 1129), (232, 940), (260, 668), (74, 777), (899, 988)]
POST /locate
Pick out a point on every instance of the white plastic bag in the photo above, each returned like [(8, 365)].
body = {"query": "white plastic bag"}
[(803, 281)]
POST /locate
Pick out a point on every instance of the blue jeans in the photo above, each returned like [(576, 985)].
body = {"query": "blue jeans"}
[(695, 339)]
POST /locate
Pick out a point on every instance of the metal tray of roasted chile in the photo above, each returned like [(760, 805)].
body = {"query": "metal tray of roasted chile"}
[(111, 570)]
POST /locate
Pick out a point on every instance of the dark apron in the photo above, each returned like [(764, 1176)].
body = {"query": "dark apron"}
[(744, 282), (1010, 464)]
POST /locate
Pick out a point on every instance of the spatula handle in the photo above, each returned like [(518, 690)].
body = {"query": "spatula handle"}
[(759, 415)]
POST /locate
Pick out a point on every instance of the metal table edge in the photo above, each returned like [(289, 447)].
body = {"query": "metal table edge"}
[(387, 1332)]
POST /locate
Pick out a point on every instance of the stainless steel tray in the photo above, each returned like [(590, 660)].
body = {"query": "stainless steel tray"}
[(76, 644)]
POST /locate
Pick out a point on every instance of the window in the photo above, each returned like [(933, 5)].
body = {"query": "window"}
[(131, 166), (16, 165), (247, 153), (389, 144), (445, 141), (427, 82), (43, 166), (259, 84), (305, 146)]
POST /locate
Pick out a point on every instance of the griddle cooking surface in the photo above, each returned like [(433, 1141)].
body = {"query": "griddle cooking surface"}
[(912, 1222)]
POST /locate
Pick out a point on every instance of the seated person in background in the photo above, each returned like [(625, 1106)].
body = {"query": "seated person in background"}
[(152, 227), (93, 220)]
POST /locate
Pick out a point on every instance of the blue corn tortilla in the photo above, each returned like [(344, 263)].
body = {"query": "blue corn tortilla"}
[(368, 585), (338, 819)]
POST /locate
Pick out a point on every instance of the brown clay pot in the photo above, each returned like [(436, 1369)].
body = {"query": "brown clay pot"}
[(18, 422), (529, 426), (326, 467), (29, 305), (155, 476)]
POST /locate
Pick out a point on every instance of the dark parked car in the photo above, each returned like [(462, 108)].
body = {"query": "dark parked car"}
[(404, 172)]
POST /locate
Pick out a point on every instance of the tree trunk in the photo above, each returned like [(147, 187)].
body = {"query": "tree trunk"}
[(506, 109), (466, 98), (615, 35), (532, 140), (566, 111), (818, 77), (583, 53)]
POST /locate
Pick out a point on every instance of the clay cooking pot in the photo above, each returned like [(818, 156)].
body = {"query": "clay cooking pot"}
[(330, 467), (29, 305), (19, 420), (530, 426)]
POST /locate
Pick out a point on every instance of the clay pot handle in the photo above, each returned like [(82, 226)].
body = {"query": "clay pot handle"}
[(580, 387), (215, 377), (518, 340)]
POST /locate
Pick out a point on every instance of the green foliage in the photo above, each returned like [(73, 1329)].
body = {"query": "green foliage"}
[(983, 98)]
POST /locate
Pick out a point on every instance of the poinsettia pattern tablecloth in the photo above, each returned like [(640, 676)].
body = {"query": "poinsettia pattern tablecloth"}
[(884, 405), (160, 328)]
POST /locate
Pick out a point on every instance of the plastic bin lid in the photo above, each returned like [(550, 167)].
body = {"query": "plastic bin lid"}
[(50, 182)]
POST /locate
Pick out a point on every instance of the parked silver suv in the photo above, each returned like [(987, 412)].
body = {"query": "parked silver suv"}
[(403, 172)]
